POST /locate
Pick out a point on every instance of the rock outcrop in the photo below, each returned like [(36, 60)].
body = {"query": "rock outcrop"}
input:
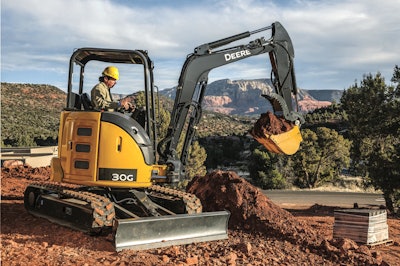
[(243, 97)]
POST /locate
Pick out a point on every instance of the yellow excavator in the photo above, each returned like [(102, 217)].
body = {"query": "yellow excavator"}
[(112, 174)]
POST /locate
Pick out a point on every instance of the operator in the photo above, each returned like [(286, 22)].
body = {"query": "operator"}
[(101, 95)]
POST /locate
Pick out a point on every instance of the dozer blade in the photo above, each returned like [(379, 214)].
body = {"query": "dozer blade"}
[(162, 231), (286, 143)]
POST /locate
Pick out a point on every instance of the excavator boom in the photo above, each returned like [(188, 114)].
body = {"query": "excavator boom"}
[(193, 83)]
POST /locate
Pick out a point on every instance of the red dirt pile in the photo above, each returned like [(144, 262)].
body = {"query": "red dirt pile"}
[(15, 179), (252, 210), (27, 172)]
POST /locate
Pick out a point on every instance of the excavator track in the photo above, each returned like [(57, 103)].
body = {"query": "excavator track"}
[(191, 202), (102, 207), (66, 205), (94, 210)]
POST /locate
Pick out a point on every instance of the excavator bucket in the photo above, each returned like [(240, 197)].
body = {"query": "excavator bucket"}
[(278, 133), (162, 231), (285, 143)]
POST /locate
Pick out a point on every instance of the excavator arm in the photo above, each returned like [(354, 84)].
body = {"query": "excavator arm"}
[(193, 83)]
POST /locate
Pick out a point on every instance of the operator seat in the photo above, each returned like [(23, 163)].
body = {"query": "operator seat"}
[(87, 104)]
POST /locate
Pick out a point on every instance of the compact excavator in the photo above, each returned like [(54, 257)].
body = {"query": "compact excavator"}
[(112, 174)]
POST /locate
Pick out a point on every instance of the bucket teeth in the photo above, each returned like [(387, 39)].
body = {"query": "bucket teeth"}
[(281, 109)]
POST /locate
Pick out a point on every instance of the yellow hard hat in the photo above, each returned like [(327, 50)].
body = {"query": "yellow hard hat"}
[(111, 71)]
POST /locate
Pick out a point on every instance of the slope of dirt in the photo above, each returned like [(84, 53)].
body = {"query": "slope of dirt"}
[(253, 211), (261, 233)]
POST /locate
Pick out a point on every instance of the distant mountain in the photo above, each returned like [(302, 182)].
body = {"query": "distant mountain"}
[(243, 97), (30, 113), (326, 95)]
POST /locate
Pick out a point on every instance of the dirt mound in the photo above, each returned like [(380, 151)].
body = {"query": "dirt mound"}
[(252, 210), (12, 163), (227, 191), (27, 172)]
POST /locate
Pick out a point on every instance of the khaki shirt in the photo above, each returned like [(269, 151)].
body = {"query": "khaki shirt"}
[(101, 98)]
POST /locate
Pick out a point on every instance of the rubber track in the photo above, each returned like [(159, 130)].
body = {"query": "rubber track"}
[(192, 203), (103, 208)]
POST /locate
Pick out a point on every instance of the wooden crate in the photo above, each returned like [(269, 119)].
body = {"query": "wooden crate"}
[(361, 225)]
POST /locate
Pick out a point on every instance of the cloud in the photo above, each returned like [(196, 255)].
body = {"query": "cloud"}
[(346, 39), (335, 42)]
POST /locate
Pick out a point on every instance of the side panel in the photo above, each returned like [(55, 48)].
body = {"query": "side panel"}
[(121, 161), (78, 146)]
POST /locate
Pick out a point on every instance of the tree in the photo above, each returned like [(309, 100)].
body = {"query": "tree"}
[(321, 157), (263, 171), (197, 157), (396, 76), (382, 160), (163, 116), (374, 126)]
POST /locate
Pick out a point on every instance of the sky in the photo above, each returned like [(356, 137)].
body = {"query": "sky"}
[(336, 42)]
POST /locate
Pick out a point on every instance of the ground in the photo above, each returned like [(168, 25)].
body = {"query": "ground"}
[(260, 232)]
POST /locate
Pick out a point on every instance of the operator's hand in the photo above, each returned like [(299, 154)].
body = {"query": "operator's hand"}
[(127, 105)]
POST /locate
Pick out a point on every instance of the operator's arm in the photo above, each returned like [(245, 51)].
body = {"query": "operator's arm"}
[(101, 98)]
